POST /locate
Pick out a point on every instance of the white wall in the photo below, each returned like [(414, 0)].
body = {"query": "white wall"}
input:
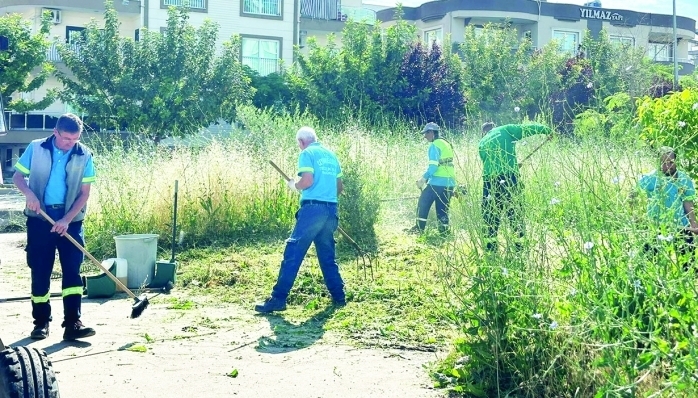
[(227, 15)]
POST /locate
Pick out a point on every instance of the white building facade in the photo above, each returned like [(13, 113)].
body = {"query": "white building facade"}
[(544, 22)]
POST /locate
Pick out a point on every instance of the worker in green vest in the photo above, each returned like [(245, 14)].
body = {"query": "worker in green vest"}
[(502, 191)]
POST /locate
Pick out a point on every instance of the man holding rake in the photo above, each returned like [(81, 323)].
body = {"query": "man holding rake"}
[(316, 220)]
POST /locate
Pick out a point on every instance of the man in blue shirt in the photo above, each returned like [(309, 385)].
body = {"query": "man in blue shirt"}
[(60, 172), (316, 220), (670, 207)]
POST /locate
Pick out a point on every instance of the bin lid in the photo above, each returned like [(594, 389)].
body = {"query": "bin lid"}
[(136, 236)]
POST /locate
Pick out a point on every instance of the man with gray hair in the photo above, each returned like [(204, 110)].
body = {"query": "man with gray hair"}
[(316, 221), (670, 207)]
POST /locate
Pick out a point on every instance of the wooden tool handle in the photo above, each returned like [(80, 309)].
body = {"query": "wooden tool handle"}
[(341, 231), (94, 260), (279, 170), (536, 149)]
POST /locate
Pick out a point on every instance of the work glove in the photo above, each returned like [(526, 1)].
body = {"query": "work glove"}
[(292, 185), (421, 183)]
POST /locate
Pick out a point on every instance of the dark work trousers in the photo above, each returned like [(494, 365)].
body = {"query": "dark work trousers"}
[(441, 197), (685, 249), (316, 222), (41, 252), (502, 194)]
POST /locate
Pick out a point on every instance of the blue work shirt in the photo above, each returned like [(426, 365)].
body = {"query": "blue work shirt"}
[(324, 166), (56, 188), (666, 196)]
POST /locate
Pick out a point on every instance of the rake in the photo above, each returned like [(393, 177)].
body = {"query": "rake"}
[(366, 259), (140, 303)]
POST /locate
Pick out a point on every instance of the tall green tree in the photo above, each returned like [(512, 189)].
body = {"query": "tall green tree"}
[(380, 74), (169, 84), (23, 67), (495, 64), (433, 89)]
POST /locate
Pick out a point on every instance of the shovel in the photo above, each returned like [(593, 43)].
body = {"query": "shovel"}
[(166, 271)]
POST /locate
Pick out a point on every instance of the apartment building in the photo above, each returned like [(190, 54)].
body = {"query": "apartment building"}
[(320, 18), (269, 30), (566, 23)]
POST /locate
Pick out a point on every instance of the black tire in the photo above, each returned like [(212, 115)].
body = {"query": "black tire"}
[(26, 373)]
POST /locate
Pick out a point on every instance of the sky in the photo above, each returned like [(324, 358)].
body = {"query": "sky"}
[(684, 8)]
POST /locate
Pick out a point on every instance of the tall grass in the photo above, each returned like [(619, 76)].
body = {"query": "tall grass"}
[(582, 311)]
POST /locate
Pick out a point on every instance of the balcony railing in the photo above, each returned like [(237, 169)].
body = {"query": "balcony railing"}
[(660, 58), (31, 120), (263, 66), (52, 54), (262, 7), (42, 121), (198, 4), (358, 14), (333, 10)]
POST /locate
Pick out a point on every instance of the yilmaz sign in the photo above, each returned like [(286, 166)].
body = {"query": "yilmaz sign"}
[(595, 13)]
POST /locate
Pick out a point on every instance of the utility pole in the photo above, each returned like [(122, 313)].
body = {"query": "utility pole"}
[(4, 46), (675, 45)]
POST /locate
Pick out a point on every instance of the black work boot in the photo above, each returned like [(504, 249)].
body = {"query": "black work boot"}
[(40, 331), (415, 230), (270, 305), (76, 330)]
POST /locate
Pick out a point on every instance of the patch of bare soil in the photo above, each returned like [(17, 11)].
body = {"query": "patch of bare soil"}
[(210, 350)]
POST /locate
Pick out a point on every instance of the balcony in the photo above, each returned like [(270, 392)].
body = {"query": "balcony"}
[(122, 7), (193, 4), (358, 14), (43, 121), (263, 66), (333, 10), (31, 120), (52, 54), (660, 58), (268, 8)]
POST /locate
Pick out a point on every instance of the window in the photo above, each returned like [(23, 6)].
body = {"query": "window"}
[(433, 34), (261, 54), (622, 41), (263, 8), (21, 152), (568, 41), (74, 34), (659, 51), (8, 158)]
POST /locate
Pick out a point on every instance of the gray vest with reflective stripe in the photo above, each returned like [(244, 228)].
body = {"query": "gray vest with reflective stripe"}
[(40, 170)]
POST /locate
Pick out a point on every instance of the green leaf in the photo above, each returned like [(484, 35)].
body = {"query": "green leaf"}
[(233, 373)]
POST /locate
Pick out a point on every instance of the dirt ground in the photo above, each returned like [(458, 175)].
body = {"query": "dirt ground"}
[(196, 352)]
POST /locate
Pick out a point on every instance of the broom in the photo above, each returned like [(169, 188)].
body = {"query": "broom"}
[(140, 303)]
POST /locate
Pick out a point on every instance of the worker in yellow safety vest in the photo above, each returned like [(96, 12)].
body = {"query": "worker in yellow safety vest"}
[(438, 181)]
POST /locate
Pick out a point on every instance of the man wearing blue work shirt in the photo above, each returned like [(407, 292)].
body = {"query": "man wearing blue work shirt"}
[(59, 170), (437, 182), (670, 207), (316, 220)]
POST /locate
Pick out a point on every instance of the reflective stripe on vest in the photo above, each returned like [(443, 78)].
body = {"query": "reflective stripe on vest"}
[(445, 168)]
